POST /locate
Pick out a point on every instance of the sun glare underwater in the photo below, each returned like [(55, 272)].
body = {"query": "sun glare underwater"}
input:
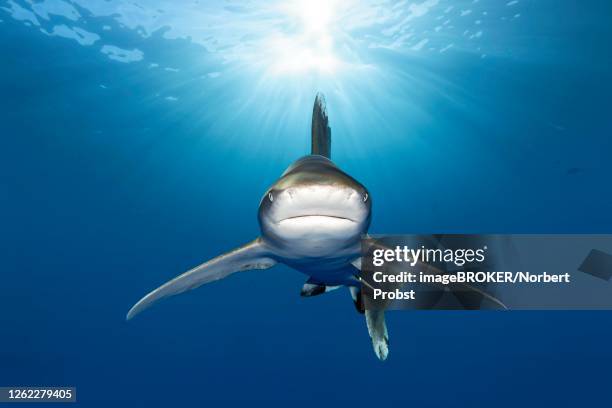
[(283, 51), (137, 139)]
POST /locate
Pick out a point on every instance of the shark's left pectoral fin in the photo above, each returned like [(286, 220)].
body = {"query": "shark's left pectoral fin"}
[(254, 255)]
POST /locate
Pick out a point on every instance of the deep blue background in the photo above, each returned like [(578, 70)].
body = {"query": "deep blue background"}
[(107, 193)]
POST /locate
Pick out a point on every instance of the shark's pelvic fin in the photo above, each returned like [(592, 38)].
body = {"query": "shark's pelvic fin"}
[(312, 288), (321, 132), (375, 319), (253, 255), (357, 299), (377, 328)]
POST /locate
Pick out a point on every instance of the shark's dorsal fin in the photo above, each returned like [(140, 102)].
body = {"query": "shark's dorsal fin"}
[(321, 132)]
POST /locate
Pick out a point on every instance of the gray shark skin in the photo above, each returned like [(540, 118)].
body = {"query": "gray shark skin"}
[(311, 219)]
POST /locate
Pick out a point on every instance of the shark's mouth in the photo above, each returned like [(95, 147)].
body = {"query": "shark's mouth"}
[(317, 227), (316, 217)]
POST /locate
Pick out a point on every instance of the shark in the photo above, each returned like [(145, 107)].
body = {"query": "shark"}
[(312, 219)]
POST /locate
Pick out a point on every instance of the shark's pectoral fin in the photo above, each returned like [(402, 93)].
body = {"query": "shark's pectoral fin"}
[(253, 255), (377, 328), (313, 288)]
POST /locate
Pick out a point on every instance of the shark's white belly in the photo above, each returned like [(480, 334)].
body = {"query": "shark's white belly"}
[(318, 246)]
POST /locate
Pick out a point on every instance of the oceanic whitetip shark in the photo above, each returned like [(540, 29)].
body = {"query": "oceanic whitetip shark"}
[(312, 219)]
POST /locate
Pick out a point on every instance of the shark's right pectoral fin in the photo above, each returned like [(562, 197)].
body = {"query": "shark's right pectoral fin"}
[(253, 255)]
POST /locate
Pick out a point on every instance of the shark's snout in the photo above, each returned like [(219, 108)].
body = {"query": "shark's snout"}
[(317, 217)]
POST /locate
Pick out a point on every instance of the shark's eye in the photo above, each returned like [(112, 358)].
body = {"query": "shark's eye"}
[(270, 197), (365, 197)]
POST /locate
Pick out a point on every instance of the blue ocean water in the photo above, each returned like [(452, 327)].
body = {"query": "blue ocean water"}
[(136, 140)]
